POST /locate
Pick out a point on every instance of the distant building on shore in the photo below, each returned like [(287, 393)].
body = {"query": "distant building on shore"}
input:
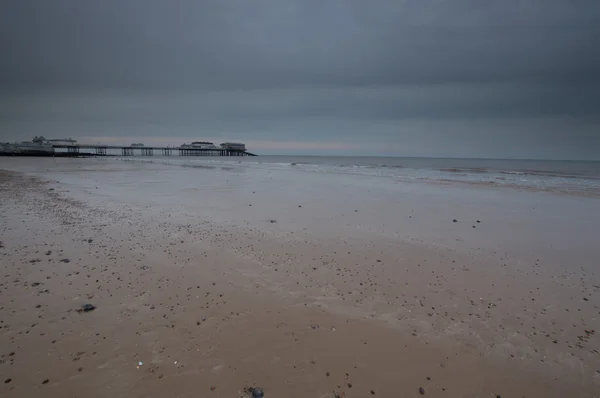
[(38, 146), (138, 145)]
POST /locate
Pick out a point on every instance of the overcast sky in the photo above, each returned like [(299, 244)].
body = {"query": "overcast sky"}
[(509, 78)]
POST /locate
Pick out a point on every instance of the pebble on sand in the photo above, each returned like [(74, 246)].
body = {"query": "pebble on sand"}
[(421, 391), (87, 308), (254, 392)]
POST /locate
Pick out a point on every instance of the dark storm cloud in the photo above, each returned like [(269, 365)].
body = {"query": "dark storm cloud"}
[(418, 77), (292, 42)]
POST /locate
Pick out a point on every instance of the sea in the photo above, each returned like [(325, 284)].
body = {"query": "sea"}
[(574, 177)]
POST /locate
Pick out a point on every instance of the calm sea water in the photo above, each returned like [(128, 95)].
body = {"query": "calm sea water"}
[(581, 177), (533, 167)]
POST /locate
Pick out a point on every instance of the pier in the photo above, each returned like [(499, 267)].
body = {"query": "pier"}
[(101, 150), (68, 147)]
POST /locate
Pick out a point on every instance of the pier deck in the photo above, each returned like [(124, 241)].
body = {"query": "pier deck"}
[(101, 150)]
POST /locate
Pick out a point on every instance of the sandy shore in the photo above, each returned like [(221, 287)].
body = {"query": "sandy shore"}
[(190, 304)]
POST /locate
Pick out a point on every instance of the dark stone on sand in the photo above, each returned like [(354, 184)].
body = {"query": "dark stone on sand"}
[(65, 260), (34, 284), (421, 391), (46, 381), (585, 299), (272, 221), (49, 252), (478, 221), (7, 381), (255, 392), (455, 220), (473, 226), (87, 308), (372, 392)]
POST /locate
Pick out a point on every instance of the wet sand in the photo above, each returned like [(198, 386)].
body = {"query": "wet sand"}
[(300, 297)]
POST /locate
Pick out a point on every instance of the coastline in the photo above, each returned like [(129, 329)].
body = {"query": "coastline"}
[(203, 300)]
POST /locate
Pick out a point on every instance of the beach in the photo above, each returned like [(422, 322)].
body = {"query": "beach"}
[(213, 278)]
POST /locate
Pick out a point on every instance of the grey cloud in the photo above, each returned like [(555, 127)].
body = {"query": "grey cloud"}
[(368, 103), (291, 42)]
